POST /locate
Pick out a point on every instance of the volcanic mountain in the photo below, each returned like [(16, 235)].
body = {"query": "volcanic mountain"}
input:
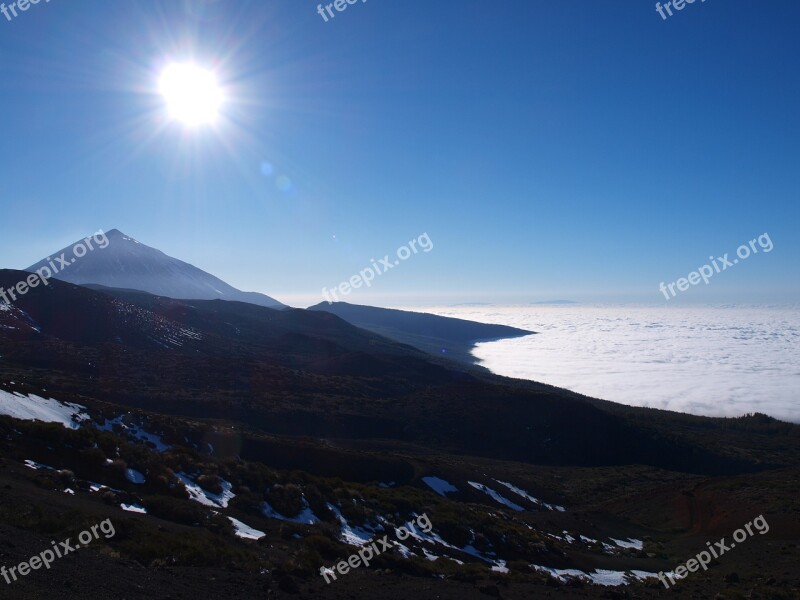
[(126, 264), (129, 264)]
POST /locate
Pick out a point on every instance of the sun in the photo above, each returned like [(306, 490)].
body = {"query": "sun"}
[(192, 94)]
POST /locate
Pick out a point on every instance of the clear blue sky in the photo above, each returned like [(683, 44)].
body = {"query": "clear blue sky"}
[(564, 149)]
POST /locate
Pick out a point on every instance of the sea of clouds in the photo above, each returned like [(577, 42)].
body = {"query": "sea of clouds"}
[(709, 360)]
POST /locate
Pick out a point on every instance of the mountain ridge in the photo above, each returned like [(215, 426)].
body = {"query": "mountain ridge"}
[(447, 336), (129, 264)]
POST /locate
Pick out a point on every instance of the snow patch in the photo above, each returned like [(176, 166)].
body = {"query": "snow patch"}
[(135, 431), (495, 496), (500, 567), (205, 497), (440, 486), (35, 408), (245, 531), (598, 576), (306, 516), (355, 536), (134, 476), (522, 493), (97, 487), (31, 464), (631, 543)]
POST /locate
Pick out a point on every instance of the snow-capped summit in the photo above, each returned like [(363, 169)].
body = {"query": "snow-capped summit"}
[(123, 262)]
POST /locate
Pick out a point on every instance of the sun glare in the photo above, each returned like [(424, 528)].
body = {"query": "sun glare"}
[(192, 94)]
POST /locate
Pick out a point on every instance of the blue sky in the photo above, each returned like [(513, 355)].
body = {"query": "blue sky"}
[(575, 149)]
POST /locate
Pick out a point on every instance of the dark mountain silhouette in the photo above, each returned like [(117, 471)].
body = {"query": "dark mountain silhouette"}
[(451, 337)]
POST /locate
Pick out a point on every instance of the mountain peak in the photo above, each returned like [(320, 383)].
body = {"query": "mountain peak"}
[(124, 262), (116, 234)]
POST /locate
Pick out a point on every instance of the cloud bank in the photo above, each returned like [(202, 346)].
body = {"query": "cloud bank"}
[(714, 361)]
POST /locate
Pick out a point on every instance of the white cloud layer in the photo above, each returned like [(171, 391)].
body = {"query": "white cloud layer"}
[(715, 361)]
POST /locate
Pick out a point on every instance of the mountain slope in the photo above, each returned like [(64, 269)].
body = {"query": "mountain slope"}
[(127, 263), (309, 373), (433, 334), (210, 418)]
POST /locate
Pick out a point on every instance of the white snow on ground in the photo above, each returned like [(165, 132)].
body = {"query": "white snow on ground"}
[(35, 408), (631, 543), (430, 537), (598, 577), (500, 567), (134, 476), (642, 575), (429, 555), (134, 431), (245, 531), (355, 536), (403, 549), (561, 575), (36, 466), (69, 491), (306, 516), (205, 497), (527, 496), (495, 496), (134, 508), (473, 551), (440, 486), (606, 577), (96, 487), (434, 538)]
